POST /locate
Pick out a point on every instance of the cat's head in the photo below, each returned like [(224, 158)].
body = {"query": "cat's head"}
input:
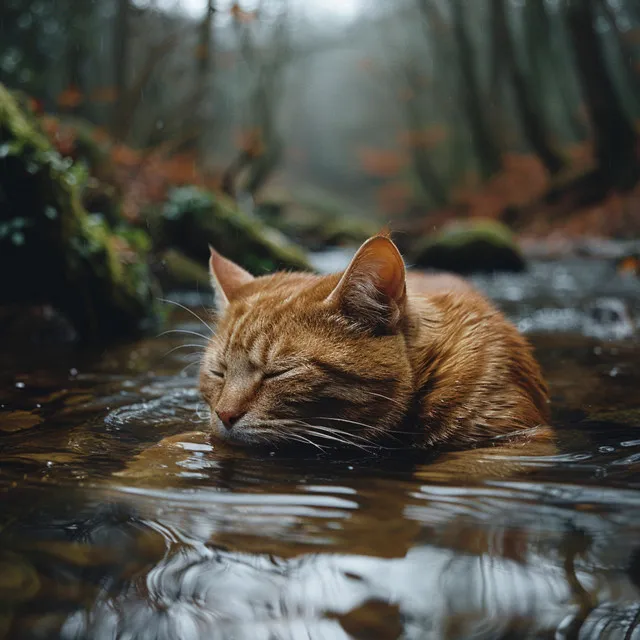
[(305, 358)]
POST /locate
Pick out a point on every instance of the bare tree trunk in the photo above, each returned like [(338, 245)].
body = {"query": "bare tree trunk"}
[(545, 64), (205, 72), (422, 165), (205, 58), (132, 95), (532, 122), (267, 62), (627, 56), (121, 42), (483, 141), (616, 140)]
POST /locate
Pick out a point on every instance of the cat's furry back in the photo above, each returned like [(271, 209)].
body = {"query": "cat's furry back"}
[(364, 355)]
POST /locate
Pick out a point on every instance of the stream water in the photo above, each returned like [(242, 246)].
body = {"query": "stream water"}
[(104, 535)]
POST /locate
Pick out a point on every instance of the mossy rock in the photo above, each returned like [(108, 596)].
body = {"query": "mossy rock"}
[(317, 228), (626, 417), (471, 246), (100, 192), (175, 271), (193, 218), (52, 251)]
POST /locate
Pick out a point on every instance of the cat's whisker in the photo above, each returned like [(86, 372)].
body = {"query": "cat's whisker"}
[(346, 433), (297, 437), (360, 424), (184, 346), (380, 430), (380, 395), (193, 313), (191, 333), (331, 434), (350, 443), (370, 444), (330, 429), (182, 372)]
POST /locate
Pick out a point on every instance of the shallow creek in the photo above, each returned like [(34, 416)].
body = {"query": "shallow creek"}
[(104, 535)]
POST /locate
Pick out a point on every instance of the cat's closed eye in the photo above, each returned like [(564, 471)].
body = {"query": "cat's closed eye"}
[(216, 374), (276, 373)]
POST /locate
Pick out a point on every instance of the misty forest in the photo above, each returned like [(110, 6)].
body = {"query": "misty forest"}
[(495, 139), (324, 126)]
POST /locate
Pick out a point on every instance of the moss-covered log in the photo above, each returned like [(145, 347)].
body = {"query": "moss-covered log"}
[(472, 246), (52, 251), (315, 226), (193, 218)]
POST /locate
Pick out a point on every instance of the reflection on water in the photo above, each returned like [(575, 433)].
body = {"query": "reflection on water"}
[(121, 519)]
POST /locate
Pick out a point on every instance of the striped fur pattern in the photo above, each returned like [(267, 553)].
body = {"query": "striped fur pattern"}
[(365, 357)]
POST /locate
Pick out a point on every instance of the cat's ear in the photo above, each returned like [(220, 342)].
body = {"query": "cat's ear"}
[(372, 291), (226, 278)]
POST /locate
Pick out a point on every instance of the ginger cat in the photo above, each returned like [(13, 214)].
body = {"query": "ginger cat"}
[(367, 355)]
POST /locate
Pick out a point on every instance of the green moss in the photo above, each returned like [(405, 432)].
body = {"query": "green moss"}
[(470, 246), (318, 222), (627, 417), (193, 218), (64, 256), (176, 271)]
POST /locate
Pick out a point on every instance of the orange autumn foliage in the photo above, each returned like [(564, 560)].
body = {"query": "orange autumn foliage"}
[(141, 178), (70, 98), (381, 163), (522, 180), (423, 138), (394, 197), (104, 94), (240, 15), (250, 141)]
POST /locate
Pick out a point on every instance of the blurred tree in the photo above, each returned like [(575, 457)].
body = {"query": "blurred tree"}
[(121, 64), (615, 138), (419, 147), (265, 49), (204, 81), (77, 52), (471, 98), (549, 69), (528, 110)]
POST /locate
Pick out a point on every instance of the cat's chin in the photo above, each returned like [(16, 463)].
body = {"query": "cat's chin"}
[(242, 437)]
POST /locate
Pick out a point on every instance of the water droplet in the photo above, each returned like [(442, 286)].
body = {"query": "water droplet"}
[(606, 449), (614, 372), (49, 463), (38, 406), (350, 468), (597, 350), (73, 371), (50, 212), (20, 385)]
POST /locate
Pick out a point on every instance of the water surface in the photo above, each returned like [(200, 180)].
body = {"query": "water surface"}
[(104, 535)]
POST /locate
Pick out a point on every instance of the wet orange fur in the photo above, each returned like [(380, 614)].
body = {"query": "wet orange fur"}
[(359, 357)]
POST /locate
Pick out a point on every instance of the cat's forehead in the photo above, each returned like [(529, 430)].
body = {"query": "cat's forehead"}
[(281, 315), (280, 296)]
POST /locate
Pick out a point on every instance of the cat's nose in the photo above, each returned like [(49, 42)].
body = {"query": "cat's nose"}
[(229, 417)]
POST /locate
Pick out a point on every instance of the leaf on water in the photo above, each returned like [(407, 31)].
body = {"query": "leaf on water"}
[(18, 421), (18, 580)]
